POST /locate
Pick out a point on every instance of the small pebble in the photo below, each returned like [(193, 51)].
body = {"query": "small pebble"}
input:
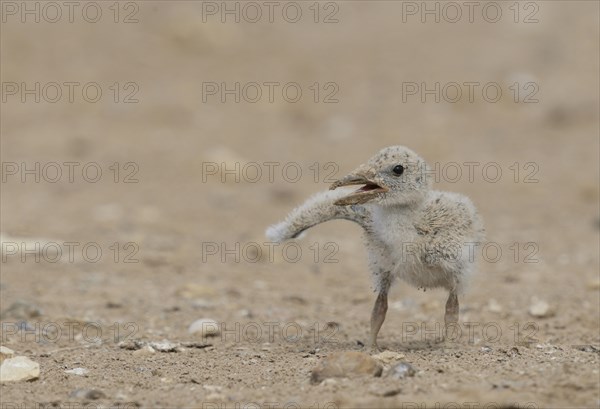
[(494, 306), (146, 350), (21, 310), (401, 371), (387, 357), (377, 390), (214, 393), (194, 291), (215, 397), (213, 388), (205, 326), (77, 371), (202, 303), (6, 353), (330, 382), (245, 313), (226, 159), (513, 352), (164, 346), (109, 212), (540, 309), (131, 345), (594, 284), (87, 394), (345, 364), (587, 348)]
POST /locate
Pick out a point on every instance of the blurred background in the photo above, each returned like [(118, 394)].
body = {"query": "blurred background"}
[(170, 118)]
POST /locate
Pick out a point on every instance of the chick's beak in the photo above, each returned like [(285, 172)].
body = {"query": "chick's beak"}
[(367, 192)]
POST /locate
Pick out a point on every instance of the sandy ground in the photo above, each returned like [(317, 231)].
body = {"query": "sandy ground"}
[(182, 239)]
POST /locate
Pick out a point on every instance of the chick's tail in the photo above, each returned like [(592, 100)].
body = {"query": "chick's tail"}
[(317, 209)]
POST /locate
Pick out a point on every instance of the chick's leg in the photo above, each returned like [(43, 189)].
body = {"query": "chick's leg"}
[(378, 316), (451, 316)]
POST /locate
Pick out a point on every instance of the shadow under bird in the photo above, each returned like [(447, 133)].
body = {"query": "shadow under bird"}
[(422, 236)]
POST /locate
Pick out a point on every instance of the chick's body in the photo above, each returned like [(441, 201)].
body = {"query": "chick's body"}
[(429, 246), (422, 236)]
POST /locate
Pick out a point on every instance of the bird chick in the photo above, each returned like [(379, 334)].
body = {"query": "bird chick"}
[(422, 236)]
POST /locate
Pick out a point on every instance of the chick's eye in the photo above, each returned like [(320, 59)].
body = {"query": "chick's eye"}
[(398, 170)]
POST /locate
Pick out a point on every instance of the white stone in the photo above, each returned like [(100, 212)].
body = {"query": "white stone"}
[(77, 371), (215, 397), (164, 346), (19, 368), (6, 353), (146, 350), (594, 284), (540, 309), (205, 326), (213, 388), (494, 306), (387, 357), (330, 382)]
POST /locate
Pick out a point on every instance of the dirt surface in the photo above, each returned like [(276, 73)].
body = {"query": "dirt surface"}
[(180, 244)]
